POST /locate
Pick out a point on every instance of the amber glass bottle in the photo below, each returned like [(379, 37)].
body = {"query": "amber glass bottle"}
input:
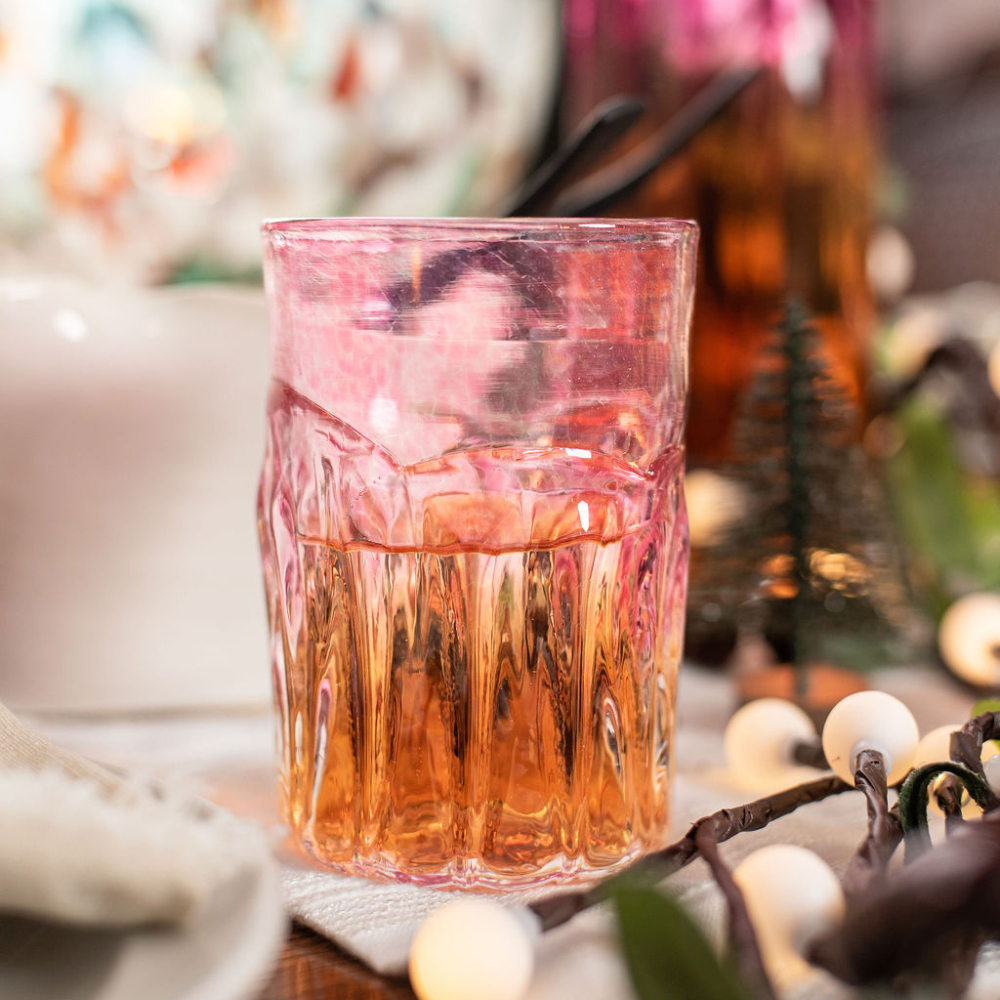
[(780, 183)]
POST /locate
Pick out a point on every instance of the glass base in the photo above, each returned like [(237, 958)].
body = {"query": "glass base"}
[(472, 874)]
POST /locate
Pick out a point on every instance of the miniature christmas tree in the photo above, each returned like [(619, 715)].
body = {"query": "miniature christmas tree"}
[(809, 565)]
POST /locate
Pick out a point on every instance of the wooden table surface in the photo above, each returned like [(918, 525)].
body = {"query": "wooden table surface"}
[(311, 968)]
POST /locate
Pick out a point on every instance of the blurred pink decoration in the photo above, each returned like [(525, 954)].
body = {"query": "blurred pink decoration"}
[(646, 47), (702, 35)]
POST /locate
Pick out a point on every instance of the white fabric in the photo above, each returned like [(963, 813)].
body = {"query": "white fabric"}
[(230, 759), (81, 844)]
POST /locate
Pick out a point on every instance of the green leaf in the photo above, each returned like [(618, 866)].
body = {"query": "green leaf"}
[(668, 957), (985, 705), (951, 521), (929, 496)]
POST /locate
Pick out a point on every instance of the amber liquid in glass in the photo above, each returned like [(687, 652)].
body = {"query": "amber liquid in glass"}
[(493, 706)]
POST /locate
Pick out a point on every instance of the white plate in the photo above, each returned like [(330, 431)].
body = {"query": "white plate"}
[(225, 953)]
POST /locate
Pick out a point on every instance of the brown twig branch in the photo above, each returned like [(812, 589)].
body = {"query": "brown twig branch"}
[(742, 936), (884, 829), (966, 746), (948, 795), (725, 824), (810, 755), (927, 920)]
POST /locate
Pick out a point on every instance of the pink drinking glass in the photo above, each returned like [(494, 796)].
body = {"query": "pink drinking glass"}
[(474, 540)]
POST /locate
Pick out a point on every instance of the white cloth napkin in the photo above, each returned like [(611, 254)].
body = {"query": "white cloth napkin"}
[(82, 844)]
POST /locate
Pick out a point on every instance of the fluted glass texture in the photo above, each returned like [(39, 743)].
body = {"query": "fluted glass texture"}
[(474, 540)]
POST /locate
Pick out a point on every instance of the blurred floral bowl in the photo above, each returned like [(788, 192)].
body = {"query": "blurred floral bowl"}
[(147, 139)]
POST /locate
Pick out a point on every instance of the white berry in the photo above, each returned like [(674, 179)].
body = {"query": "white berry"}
[(472, 949), (870, 720), (759, 740), (969, 639), (992, 769), (713, 504), (792, 896), (935, 746)]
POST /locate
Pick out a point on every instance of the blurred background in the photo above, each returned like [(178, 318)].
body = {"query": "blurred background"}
[(143, 142)]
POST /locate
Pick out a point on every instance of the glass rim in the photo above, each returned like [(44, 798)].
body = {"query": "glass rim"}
[(430, 229)]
